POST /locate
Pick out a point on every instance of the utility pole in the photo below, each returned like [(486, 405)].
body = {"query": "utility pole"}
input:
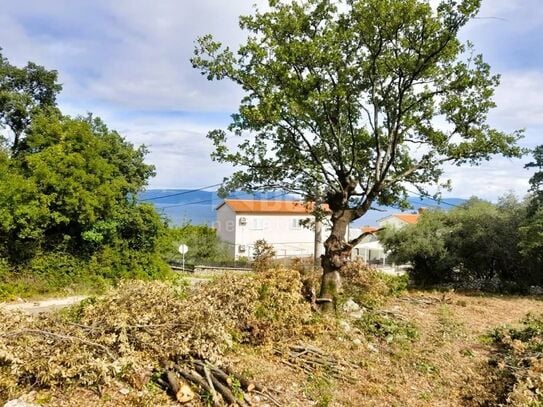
[(318, 243), (318, 234)]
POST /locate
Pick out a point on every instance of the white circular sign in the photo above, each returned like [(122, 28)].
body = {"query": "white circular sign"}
[(183, 248)]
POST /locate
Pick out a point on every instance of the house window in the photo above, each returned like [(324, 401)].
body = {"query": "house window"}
[(295, 224), (257, 224)]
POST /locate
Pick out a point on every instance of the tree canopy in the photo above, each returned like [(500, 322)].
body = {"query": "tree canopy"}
[(536, 181), (354, 100), (23, 93), (478, 242)]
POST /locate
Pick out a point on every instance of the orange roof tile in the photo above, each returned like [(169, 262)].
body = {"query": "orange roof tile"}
[(408, 217), (262, 206), (369, 229)]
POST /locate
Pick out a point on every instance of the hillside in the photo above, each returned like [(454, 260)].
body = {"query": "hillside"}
[(183, 205)]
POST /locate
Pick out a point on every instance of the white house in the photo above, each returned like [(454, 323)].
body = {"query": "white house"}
[(370, 249), (240, 223)]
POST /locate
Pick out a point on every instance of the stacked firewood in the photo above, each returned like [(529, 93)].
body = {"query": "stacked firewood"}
[(310, 359), (220, 385)]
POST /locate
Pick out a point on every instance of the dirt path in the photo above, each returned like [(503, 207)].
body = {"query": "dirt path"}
[(48, 305)]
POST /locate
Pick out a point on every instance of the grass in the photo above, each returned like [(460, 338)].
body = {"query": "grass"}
[(419, 349), (435, 359)]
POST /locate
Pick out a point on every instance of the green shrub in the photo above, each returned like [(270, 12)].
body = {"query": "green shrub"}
[(369, 287), (60, 273), (387, 327)]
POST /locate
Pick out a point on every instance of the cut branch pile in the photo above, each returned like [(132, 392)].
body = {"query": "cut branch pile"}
[(221, 386), (311, 360)]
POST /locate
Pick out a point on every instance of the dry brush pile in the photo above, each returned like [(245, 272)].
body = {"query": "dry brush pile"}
[(140, 329), (517, 366)]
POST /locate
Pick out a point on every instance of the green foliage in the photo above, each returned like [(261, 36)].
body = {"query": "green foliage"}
[(263, 255), (69, 188), (387, 327), (23, 93), (531, 239), (517, 363), (58, 273), (368, 287), (536, 181), (477, 243), (204, 245), (340, 94), (68, 214)]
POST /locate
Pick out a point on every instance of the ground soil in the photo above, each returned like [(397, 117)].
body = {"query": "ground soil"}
[(444, 366)]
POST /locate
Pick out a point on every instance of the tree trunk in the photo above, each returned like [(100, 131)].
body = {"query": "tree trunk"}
[(337, 253), (15, 145)]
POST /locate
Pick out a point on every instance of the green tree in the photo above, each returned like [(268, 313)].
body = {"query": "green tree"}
[(531, 243), (342, 101), (203, 242), (72, 186), (476, 242), (536, 181), (424, 246), (24, 92)]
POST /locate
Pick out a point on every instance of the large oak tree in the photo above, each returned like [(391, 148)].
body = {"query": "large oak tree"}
[(355, 101)]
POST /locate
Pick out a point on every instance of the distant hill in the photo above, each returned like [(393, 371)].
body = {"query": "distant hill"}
[(198, 207)]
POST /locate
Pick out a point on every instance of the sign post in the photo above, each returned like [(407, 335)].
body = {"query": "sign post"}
[(183, 248)]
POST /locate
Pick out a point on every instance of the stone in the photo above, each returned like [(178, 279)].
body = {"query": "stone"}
[(357, 341), (350, 306), (536, 290), (19, 403), (345, 326), (372, 348)]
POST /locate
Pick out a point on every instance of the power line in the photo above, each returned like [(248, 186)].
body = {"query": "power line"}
[(211, 201), (179, 193), (434, 199)]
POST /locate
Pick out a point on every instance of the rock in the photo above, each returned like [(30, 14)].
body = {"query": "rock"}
[(350, 306), (124, 391), (535, 290), (372, 348), (19, 403), (357, 314), (357, 342), (345, 326)]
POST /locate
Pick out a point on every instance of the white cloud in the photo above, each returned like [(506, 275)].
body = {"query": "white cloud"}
[(489, 180), (116, 58), (520, 99)]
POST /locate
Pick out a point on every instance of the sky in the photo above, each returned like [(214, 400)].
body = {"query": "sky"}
[(127, 61)]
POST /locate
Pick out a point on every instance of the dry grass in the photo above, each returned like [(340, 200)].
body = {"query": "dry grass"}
[(443, 364)]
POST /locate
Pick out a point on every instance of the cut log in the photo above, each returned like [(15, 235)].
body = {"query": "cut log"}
[(181, 389), (223, 390)]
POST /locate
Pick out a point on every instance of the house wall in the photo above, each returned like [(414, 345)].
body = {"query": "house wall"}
[(282, 231), (226, 228), (358, 253)]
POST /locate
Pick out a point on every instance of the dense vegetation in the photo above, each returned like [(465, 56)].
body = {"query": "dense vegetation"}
[(68, 209), (479, 244)]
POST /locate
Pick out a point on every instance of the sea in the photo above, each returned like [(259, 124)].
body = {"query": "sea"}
[(198, 207)]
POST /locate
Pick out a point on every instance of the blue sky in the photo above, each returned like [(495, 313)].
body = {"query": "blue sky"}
[(128, 62)]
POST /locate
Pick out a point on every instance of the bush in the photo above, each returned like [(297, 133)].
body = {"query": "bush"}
[(60, 273), (387, 328), (476, 245), (369, 287), (516, 368)]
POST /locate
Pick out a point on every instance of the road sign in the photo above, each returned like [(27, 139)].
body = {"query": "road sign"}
[(183, 248)]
